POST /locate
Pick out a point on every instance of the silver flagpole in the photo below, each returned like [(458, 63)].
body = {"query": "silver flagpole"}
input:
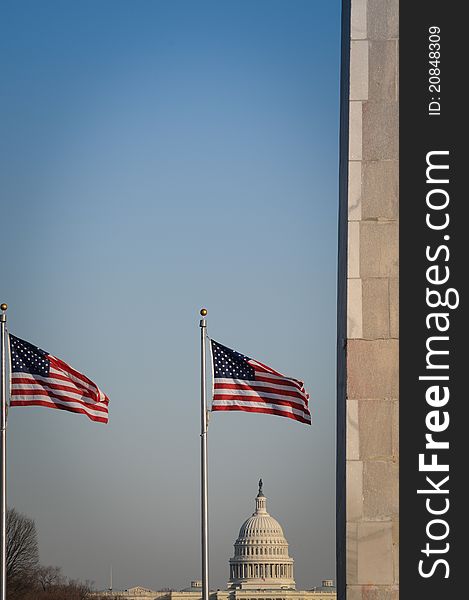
[(203, 454), (3, 444)]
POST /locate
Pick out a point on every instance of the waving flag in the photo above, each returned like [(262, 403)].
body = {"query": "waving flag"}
[(40, 379), (242, 383)]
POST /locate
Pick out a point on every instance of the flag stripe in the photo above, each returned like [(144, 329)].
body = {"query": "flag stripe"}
[(44, 398), (261, 382), (51, 385), (253, 400), (67, 406), (59, 375), (266, 376), (74, 375), (226, 393), (271, 374), (264, 409), (261, 366), (57, 394), (257, 401), (258, 388), (62, 373)]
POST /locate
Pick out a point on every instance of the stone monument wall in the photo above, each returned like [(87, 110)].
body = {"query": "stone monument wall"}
[(372, 406)]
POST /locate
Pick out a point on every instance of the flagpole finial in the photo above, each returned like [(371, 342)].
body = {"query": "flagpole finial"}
[(203, 312), (3, 306)]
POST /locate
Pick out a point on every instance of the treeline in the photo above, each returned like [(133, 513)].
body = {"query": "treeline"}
[(26, 578)]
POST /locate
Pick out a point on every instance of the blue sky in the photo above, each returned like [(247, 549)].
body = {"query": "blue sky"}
[(156, 157)]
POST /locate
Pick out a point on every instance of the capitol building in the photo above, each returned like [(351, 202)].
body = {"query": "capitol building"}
[(261, 557), (260, 569)]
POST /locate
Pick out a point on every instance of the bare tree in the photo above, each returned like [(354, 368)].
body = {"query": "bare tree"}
[(48, 577), (68, 589), (77, 590), (26, 580), (55, 586), (22, 553)]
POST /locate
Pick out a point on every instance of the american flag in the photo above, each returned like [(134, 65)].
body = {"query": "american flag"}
[(40, 379), (242, 383)]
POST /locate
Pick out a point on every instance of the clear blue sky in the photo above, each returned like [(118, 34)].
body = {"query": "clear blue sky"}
[(156, 157)]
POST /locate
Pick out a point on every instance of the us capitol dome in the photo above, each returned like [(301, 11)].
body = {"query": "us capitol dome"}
[(261, 559), (261, 569)]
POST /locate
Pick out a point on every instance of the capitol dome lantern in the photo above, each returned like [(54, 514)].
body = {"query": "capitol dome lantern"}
[(261, 559)]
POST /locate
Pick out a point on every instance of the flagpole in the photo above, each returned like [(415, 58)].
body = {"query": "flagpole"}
[(203, 454), (3, 446)]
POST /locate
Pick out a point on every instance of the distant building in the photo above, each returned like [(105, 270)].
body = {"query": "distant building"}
[(261, 568), (135, 593)]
